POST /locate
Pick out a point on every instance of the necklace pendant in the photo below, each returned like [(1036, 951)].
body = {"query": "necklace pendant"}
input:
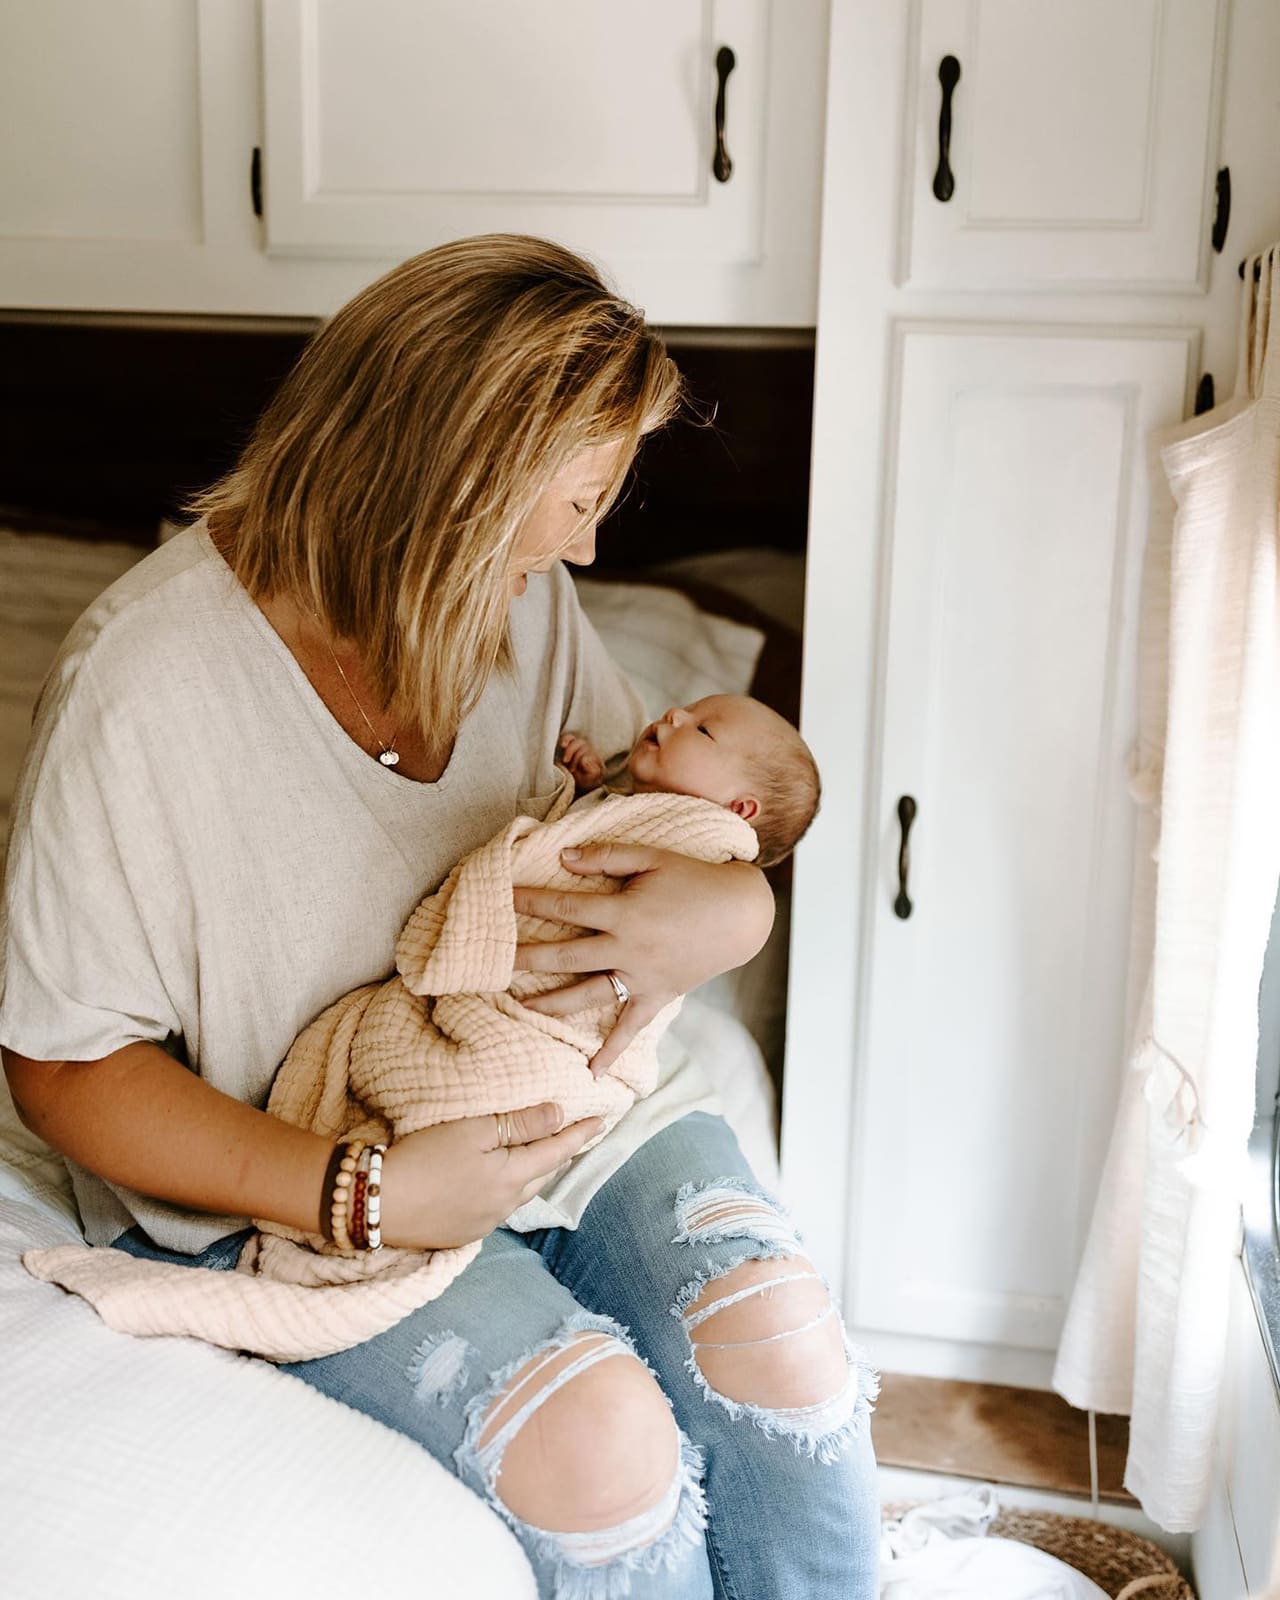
[(389, 758)]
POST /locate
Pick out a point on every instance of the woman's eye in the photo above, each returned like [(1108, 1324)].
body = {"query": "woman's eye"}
[(581, 510)]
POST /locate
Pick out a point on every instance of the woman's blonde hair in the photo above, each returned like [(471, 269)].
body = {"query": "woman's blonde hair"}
[(384, 485)]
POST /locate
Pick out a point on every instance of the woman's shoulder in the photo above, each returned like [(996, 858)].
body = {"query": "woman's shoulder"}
[(141, 630), (159, 590)]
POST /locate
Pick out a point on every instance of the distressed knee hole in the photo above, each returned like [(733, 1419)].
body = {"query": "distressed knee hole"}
[(600, 1448), (577, 1448), (728, 1209), (766, 1333), (766, 1342)]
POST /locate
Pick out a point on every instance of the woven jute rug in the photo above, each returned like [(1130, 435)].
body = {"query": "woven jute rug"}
[(1122, 1564)]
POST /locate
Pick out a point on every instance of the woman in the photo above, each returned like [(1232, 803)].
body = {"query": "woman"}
[(255, 753)]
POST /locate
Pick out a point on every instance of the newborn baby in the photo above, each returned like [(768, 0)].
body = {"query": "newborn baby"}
[(728, 749)]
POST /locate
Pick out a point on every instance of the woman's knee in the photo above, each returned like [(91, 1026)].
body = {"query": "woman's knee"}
[(577, 1446), (765, 1340), (600, 1447), (766, 1334)]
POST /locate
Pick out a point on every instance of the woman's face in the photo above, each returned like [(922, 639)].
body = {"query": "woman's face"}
[(561, 526)]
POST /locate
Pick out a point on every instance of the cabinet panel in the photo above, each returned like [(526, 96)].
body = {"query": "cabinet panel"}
[(1082, 143), (450, 98), (393, 125), (101, 117), (996, 1009)]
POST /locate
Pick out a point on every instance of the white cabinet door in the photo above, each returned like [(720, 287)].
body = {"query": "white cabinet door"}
[(996, 1022), (392, 125), (1082, 148), (101, 140)]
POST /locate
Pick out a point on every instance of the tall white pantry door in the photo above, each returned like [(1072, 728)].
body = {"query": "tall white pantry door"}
[(984, 405), (997, 967)]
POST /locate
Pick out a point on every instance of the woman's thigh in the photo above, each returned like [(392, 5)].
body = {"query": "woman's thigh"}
[(418, 1375), (494, 1379), (709, 1276)]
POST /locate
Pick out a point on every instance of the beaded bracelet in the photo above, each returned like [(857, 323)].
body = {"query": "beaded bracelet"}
[(373, 1194), (355, 1216), (339, 1208), (365, 1213), (353, 1205)]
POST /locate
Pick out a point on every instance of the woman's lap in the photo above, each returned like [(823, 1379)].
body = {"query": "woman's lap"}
[(643, 1250)]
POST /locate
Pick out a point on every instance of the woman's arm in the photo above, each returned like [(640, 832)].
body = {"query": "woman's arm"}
[(675, 924), (140, 1119)]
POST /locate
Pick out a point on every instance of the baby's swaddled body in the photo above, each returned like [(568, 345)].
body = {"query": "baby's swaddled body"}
[(447, 1036)]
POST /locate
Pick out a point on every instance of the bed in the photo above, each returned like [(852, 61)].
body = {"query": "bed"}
[(137, 1468)]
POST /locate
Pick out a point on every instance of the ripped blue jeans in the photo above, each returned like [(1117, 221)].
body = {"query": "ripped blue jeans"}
[(746, 1474)]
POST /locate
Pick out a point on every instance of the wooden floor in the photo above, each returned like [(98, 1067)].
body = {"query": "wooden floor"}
[(999, 1434)]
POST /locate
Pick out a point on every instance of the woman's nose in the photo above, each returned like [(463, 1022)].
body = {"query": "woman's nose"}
[(582, 552)]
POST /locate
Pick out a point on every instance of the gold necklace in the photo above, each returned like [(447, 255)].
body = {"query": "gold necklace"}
[(387, 753)]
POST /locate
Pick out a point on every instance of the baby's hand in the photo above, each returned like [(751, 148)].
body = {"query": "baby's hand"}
[(583, 761)]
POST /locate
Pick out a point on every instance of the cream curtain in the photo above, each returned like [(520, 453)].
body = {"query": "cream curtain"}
[(1146, 1327)]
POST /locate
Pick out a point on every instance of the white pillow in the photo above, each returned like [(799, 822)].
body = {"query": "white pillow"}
[(672, 651)]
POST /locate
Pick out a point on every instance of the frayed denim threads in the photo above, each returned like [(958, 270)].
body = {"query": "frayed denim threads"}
[(440, 1367)]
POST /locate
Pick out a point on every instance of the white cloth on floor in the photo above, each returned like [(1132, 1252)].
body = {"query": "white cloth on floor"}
[(940, 1551), (984, 1569), (966, 1515)]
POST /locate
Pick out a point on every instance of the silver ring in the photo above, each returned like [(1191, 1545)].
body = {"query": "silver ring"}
[(619, 988)]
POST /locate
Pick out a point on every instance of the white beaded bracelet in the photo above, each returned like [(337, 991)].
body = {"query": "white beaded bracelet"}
[(373, 1198)]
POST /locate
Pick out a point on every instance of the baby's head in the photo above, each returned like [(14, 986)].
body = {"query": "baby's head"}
[(737, 752)]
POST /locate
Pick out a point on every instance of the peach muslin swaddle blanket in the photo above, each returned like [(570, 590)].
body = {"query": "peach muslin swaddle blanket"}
[(446, 1037)]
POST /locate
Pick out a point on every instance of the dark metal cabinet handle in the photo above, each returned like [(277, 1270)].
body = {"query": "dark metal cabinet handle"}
[(906, 816), (1221, 209), (721, 166), (944, 184)]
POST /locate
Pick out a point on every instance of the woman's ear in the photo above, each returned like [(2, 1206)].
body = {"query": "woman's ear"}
[(748, 808)]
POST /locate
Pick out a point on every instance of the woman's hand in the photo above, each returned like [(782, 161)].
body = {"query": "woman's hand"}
[(674, 924), (456, 1182)]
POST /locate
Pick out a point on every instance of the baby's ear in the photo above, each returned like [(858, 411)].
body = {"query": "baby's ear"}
[(748, 808)]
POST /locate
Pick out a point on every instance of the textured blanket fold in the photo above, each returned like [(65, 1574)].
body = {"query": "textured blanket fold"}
[(446, 1037)]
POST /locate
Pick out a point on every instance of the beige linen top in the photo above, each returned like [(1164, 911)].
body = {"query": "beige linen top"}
[(201, 857)]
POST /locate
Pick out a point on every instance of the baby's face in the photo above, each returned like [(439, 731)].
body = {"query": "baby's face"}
[(703, 749)]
